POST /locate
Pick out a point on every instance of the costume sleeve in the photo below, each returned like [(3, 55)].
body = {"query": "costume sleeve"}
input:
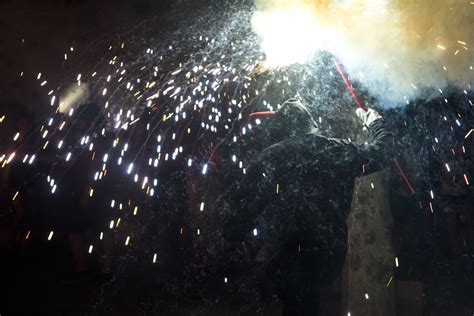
[(373, 155)]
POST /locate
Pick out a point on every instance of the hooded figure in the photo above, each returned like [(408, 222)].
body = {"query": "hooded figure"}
[(295, 201)]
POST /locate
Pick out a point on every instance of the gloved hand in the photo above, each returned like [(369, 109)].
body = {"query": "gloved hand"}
[(368, 117)]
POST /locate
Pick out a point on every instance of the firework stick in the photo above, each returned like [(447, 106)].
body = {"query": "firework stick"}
[(349, 86), (404, 177)]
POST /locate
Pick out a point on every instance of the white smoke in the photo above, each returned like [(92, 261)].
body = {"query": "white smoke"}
[(398, 49), (73, 97)]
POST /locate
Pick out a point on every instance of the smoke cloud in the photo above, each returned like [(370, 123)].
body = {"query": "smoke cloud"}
[(73, 97), (398, 49)]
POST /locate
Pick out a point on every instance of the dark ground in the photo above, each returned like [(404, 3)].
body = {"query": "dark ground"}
[(33, 283)]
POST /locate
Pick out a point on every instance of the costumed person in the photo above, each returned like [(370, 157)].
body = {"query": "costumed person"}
[(295, 200)]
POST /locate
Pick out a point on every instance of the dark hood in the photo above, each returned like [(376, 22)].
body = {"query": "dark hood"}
[(292, 119)]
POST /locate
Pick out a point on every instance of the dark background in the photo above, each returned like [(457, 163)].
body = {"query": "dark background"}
[(50, 27)]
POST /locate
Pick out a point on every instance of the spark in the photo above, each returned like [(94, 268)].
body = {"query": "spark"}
[(32, 159), (15, 196), (130, 168), (469, 134), (10, 158)]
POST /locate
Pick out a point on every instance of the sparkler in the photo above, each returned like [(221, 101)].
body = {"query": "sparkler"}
[(151, 108)]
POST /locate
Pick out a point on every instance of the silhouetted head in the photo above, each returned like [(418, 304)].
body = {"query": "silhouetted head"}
[(292, 119)]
